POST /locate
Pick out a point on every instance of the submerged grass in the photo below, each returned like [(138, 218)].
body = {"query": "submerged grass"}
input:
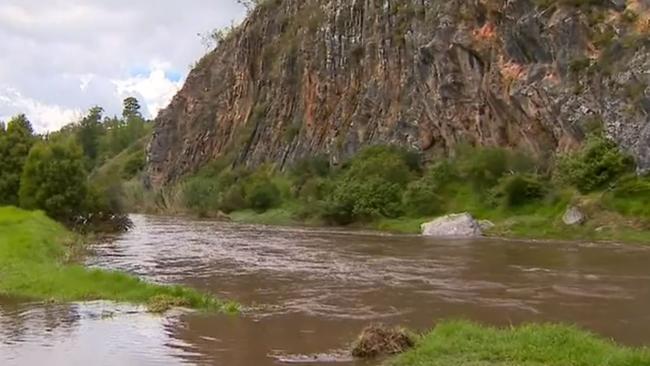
[(34, 256), (464, 343)]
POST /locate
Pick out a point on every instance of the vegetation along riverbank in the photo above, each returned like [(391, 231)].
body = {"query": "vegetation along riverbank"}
[(37, 261), (388, 188), (464, 343)]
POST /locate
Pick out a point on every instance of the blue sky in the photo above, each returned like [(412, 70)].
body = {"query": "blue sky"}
[(61, 57)]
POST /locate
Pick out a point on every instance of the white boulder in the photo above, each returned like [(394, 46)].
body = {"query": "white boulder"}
[(453, 226), (573, 216)]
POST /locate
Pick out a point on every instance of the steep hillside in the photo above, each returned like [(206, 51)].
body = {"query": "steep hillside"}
[(306, 77)]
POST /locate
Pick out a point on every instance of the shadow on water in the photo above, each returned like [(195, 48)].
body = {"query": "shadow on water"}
[(311, 291)]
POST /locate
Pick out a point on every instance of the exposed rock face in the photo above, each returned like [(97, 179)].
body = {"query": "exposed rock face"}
[(453, 226), (306, 77)]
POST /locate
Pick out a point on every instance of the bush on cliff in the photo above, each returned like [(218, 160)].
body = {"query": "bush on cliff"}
[(598, 163), (370, 185), (517, 190), (263, 195)]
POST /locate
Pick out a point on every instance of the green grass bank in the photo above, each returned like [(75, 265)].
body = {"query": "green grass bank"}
[(467, 344), (37, 262)]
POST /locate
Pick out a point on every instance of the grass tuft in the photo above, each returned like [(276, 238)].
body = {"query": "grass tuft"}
[(464, 343)]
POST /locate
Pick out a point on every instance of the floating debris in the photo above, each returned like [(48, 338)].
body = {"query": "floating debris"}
[(380, 340), (332, 357)]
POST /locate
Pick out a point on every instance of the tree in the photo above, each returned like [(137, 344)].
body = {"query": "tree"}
[(54, 179), (131, 108), (133, 121), (120, 133), (15, 142), (89, 133)]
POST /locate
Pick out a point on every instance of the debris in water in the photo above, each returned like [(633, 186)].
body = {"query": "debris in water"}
[(380, 340), (333, 357), (162, 303)]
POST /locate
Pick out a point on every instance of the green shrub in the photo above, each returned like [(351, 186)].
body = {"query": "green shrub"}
[(484, 166), (598, 163), (360, 200), (630, 196), (518, 189), (133, 165), (263, 195), (370, 185), (313, 190), (105, 198), (385, 162), (420, 199), (216, 168), (201, 195), (54, 180), (317, 166), (233, 199), (442, 173)]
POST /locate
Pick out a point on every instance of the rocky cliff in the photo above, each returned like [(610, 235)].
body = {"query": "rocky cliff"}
[(305, 77)]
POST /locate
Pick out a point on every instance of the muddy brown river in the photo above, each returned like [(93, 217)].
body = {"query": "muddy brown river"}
[(313, 290)]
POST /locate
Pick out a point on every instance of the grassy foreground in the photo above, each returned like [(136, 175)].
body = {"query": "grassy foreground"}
[(468, 344), (35, 256)]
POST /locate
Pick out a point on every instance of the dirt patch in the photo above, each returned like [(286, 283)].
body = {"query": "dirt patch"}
[(380, 340)]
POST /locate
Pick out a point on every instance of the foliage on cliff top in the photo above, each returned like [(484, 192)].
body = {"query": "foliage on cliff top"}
[(35, 263)]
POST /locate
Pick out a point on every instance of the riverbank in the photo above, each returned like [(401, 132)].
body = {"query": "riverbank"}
[(385, 188), (602, 225), (464, 343), (37, 261)]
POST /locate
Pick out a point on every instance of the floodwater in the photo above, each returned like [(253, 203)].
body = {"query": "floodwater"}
[(310, 292)]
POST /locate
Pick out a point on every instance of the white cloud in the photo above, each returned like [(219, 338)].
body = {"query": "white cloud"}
[(56, 116), (68, 55), (155, 89)]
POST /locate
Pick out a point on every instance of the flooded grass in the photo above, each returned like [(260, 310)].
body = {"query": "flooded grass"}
[(34, 251), (464, 343)]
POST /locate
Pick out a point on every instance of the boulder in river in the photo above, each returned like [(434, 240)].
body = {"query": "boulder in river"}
[(453, 226), (573, 216)]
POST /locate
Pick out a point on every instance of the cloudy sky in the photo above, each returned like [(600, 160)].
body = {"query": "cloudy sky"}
[(60, 57)]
